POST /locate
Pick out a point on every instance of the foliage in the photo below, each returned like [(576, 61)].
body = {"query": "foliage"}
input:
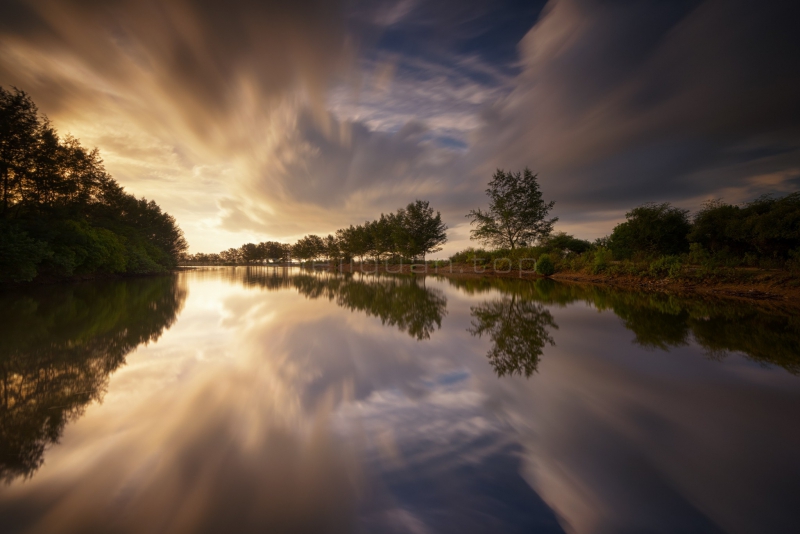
[(62, 214), (766, 228), (309, 247), (19, 254), (516, 215), (413, 231), (417, 231), (651, 229), (602, 260), (666, 266), (544, 265), (565, 243)]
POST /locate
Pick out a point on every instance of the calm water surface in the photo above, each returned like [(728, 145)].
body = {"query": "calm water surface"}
[(261, 400)]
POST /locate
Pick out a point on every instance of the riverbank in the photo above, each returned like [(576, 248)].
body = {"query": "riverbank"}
[(750, 284)]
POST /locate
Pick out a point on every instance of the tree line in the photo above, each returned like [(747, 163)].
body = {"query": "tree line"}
[(409, 233), (655, 239), (62, 214)]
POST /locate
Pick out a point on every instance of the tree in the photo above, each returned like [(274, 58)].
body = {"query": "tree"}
[(19, 136), (772, 225), (563, 242), (272, 251), (331, 247), (354, 241), (382, 236), (653, 230), (715, 227), (63, 214), (249, 252), (309, 247), (517, 214), (418, 231)]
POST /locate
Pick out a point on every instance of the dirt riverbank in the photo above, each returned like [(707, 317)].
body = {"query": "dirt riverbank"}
[(758, 284)]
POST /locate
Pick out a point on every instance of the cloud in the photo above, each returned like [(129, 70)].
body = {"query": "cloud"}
[(170, 91), (622, 103), (258, 120)]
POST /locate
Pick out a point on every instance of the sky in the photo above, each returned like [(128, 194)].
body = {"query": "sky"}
[(258, 120)]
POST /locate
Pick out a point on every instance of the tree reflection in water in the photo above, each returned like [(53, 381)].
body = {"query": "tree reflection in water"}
[(58, 346), (403, 302), (518, 329), (765, 332), (519, 322)]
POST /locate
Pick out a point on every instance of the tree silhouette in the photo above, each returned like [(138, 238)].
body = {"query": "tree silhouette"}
[(516, 215), (62, 214)]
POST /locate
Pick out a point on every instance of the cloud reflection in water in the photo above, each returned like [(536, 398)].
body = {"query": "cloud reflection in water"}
[(311, 402)]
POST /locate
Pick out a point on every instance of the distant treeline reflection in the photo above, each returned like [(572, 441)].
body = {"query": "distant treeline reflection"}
[(58, 346), (399, 301)]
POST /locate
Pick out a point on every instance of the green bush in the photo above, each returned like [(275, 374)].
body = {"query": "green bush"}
[(602, 260), (666, 266), (544, 265), (20, 255)]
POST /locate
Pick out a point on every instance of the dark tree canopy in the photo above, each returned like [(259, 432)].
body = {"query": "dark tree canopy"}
[(62, 214), (563, 242), (418, 231), (767, 226), (517, 214), (651, 229)]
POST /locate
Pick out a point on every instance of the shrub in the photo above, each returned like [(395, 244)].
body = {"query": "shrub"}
[(602, 260), (20, 255), (544, 265), (666, 266)]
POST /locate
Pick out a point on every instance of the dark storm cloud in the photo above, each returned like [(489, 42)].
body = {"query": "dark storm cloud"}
[(626, 102)]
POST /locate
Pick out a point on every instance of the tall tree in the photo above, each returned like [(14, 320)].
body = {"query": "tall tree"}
[(19, 135), (517, 214), (332, 250), (309, 247), (418, 231), (382, 236), (61, 213)]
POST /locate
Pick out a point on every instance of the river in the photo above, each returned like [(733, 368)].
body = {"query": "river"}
[(278, 400)]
